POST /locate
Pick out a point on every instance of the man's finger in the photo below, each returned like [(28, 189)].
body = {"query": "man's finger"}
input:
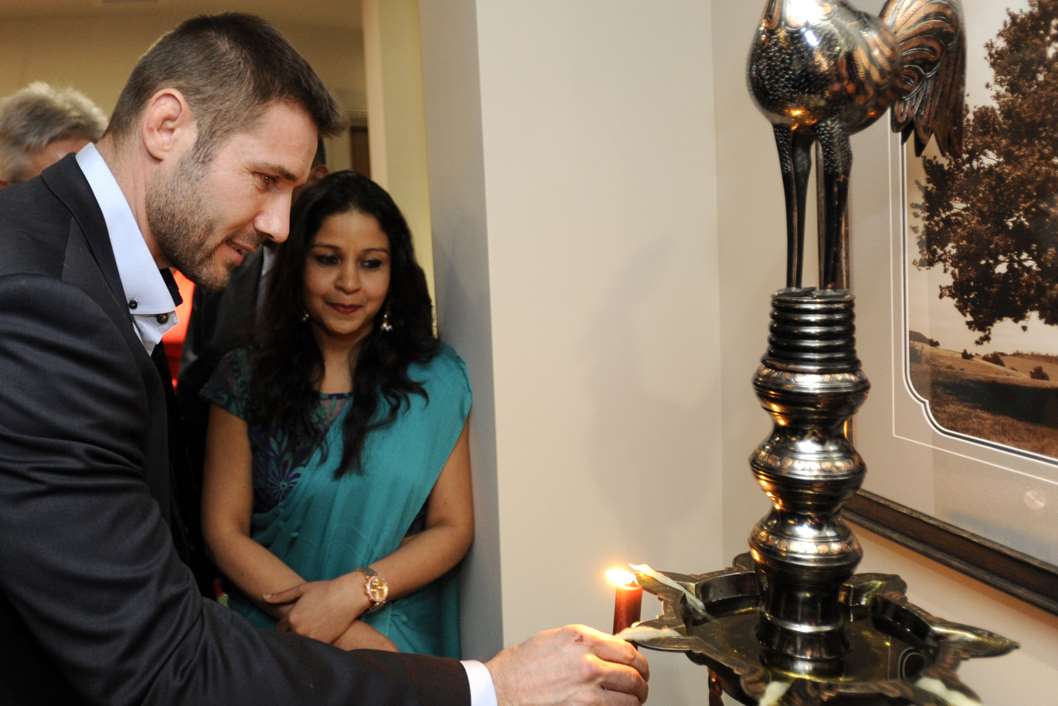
[(621, 679), (621, 652), (288, 595)]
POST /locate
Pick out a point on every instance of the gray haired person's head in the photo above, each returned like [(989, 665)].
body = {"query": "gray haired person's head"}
[(229, 68), (37, 116)]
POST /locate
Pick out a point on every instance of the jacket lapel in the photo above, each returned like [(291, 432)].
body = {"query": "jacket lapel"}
[(69, 185), (89, 259), (90, 265)]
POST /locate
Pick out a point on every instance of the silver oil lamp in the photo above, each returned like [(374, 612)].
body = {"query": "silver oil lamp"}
[(791, 623)]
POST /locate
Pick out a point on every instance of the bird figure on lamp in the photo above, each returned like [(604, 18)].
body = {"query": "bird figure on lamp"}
[(821, 71)]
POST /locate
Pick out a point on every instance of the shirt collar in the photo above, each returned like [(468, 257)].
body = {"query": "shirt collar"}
[(148, 298)]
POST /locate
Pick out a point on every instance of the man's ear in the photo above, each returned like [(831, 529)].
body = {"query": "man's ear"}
[(168, 127)]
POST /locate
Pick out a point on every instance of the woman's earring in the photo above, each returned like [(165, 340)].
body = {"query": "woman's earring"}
[(304, 316), (386, 326)]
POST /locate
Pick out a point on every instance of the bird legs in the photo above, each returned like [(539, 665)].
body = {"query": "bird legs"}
[(795, 161), (837, 166)]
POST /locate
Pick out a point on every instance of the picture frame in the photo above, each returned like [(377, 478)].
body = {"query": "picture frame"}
[(963, 495), (999, 566)]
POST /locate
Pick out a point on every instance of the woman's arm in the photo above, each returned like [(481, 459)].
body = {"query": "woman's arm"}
[(449, 532), (361, 636), (418, 561), (227, 503)]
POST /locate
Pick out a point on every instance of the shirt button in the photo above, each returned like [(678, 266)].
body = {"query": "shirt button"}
[(162, 318), (133, 304)]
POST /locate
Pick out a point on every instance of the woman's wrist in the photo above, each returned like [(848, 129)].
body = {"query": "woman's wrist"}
[(376, 587), (353, 585)]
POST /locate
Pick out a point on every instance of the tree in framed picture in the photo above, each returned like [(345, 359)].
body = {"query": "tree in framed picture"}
[(961, 432), (985, 356)]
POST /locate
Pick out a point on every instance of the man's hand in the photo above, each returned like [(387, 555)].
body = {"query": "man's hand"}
[(570, 666), (322, 610)]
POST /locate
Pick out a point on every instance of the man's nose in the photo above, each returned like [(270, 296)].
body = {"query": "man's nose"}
[(274, 220)]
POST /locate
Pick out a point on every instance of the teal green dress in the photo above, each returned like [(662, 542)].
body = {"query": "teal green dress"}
[(323, 527)]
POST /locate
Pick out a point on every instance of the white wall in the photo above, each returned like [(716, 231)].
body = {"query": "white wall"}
[(393, 68), (452, 97), (572, 156), (99, 62), (752, 257)]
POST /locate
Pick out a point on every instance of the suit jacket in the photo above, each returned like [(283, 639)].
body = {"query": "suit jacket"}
[(186, 520), (95, 606)]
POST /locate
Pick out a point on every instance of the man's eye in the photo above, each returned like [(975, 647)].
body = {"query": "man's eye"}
[(266, 181)]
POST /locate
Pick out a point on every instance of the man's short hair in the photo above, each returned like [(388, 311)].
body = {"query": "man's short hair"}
[(228, 67), (37, 115)]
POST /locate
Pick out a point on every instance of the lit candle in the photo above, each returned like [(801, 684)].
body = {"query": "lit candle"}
[(628, 604)]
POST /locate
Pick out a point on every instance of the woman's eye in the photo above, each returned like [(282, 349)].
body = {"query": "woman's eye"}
[(372, 264), (327, 259)]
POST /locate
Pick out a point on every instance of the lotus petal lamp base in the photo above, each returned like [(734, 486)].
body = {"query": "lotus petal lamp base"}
[(898, 653)]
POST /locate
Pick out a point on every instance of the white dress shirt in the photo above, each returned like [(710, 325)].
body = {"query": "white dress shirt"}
[(148, 299), (154, 311), (482, 690)]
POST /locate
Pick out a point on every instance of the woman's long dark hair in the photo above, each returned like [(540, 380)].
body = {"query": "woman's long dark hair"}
[(288, 364)]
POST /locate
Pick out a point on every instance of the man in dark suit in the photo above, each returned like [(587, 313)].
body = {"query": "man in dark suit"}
[(214, 130), (39, 125)]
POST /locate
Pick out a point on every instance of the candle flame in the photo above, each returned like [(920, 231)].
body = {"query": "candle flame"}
[(618, 576)]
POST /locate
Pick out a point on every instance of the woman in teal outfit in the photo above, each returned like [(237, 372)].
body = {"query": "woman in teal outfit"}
[(336, 495)]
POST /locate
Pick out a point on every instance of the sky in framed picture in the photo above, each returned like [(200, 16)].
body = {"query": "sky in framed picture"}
[(976, 254)]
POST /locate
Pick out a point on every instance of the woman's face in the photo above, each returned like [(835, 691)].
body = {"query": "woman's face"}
[(347, 276)]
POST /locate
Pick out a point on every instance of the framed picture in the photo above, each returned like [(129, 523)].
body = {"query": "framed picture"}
[(963, 453)]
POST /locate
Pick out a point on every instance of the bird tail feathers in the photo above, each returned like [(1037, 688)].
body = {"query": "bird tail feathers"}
[(932, 85)]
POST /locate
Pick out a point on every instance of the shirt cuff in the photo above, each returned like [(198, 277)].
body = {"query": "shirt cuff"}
[(482, 691)]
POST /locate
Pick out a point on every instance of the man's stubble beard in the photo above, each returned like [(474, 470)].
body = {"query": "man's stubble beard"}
[(181, 222)]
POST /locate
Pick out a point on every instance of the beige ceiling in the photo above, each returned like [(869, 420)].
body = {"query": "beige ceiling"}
[(333, 13)]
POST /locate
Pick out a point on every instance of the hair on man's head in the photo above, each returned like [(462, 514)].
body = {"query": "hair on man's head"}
[(37, 115), (228, 67)]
